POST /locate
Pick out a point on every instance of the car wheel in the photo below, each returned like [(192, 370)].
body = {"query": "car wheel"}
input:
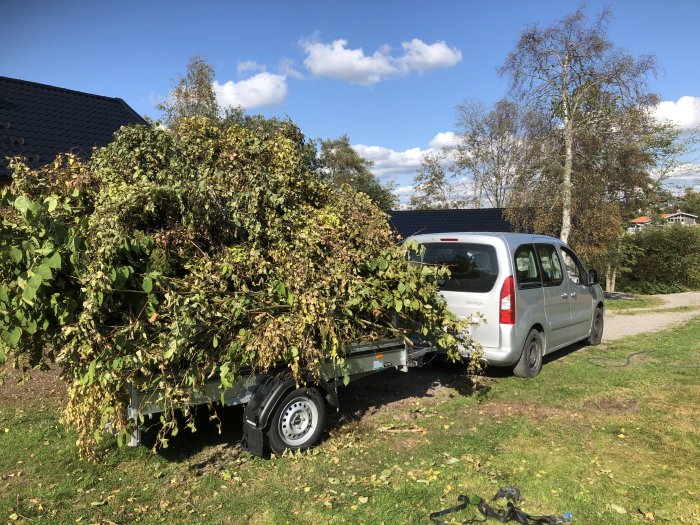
[(530, 362), (298, 422), (597, 327)]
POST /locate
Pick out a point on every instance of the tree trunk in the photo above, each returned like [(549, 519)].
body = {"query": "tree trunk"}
[(608, 278), (614, 276), (566, 179)]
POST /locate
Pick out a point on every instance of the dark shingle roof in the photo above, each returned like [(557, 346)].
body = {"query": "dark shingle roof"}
[(413, 222), (38, 121)]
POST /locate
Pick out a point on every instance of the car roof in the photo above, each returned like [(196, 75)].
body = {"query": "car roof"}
[(510, 239)]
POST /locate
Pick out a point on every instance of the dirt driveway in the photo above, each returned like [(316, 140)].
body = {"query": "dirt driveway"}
[(640, 320)]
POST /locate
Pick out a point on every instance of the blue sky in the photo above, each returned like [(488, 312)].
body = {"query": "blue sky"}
[(389, 74)]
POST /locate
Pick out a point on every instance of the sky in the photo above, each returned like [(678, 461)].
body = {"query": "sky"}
[(386, 73)]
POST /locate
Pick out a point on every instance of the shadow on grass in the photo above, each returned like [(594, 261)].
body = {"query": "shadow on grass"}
[(359, 398)]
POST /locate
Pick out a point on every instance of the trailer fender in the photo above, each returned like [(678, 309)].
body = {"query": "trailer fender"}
[(265, 400)]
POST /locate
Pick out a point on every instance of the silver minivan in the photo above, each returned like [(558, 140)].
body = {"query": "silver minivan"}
[(533, 292)]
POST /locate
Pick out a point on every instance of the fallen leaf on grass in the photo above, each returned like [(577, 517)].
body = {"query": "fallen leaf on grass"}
[(419, 430), (617, 508)]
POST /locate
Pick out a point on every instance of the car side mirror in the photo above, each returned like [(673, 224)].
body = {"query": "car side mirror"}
[(593, 277)]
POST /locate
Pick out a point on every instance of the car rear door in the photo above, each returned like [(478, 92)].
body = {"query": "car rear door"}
[(472, 287)]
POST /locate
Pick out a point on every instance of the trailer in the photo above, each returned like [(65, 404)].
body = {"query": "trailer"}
[(279, 413)]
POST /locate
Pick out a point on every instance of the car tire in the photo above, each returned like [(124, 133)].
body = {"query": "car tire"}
[(530, 362), (596, 335), (298, 422)]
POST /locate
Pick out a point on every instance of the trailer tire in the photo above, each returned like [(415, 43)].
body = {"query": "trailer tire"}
[(298, 421)]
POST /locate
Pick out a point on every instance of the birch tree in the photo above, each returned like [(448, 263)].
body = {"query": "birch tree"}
[(490, 149), (558, 69)]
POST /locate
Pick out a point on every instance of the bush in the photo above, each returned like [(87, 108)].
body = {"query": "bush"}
[(175, 258), (667, 261)]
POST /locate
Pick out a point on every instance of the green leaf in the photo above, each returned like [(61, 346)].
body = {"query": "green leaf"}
[(91, 372), (16, 253), (29, 293), (51, 203), (22, 204), (12, 336), (43, 271), (3, 294), (346, 380), (34, 281), (147, 284), (54, 261)]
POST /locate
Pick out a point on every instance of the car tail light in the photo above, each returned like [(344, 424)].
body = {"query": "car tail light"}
[(507, 302)]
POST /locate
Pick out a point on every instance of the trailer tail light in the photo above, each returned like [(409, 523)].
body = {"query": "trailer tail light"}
[(507, 302)]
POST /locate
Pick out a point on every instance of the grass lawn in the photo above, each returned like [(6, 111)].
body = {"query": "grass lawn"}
[(638, 301), (610, 433)]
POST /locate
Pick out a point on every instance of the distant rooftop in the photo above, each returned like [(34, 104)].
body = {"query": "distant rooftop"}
[(38, 121), (413, 222)]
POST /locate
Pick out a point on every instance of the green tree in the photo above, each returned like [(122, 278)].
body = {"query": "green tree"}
[(434, 186), (490, 149), (192, 95), (339, 165), (568, 72)]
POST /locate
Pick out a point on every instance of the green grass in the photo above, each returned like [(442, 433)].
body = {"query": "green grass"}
[(601, 430), (638, 301)]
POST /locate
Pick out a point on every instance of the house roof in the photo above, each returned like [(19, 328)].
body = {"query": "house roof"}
[(38, 121), (413, 222), (641, 220), (679, 213), (644, 219)]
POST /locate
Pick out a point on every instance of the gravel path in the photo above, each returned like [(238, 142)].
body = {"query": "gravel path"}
[(637, 321)]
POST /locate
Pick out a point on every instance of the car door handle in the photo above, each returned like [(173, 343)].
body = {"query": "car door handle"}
[(573, 295), (564, 295)]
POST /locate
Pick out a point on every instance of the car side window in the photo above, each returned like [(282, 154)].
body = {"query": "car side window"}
[(526, 269), (552, 274), (573, 267)]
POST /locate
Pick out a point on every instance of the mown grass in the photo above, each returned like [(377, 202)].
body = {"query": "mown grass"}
[(608, 433), (638, 301)]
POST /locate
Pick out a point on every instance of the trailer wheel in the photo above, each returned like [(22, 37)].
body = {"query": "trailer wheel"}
[(530, 362), (298, 421)]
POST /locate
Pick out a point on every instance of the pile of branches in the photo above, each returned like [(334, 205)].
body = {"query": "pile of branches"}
[(173, 258)]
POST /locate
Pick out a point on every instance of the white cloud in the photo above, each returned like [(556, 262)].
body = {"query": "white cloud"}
[(336, 60), (248, 66), (263, 89), (389, 162), (684, 113), (444, 139), (420, 56), (687, 174), (286, 68)]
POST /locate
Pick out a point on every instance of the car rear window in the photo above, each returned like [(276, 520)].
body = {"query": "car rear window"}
[(473, 267)]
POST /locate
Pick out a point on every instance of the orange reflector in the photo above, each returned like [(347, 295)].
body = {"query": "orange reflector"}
[(379, 356)]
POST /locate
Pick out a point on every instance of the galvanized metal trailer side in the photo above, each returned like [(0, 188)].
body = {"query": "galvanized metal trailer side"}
[(280, 413)]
